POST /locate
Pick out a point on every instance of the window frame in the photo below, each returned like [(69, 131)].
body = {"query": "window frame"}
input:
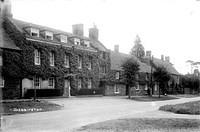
[(34, 31), (52, 59), (79, 83), (63, 38), (1, 60), (117, 75), (67, 65), (80, 62), (87, 43), (37, 57), (77, 41), (39, 82), (48, 35), (53, 82)]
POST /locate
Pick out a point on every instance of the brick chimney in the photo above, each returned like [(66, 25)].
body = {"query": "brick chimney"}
[(116, 48), (5, 8), (167, 58), (162, 57), (77, 29), (94, 33), (148, 53)]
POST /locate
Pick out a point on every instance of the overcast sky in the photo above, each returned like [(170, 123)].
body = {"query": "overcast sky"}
[(168, 27)]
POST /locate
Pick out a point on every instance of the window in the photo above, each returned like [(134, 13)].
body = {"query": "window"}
[(116, 89), (37, 57), (137, 86), (37, 82), (89, 83), (1, 82), (34, 32), (51, 82), (87, 43), (103, 69), (79, 83), (117, 75), (51, 58), (104, 55), (66, 61), (63, 38), (80, 62), (48, 35), (1, 61), (89, 65), (77, 41)]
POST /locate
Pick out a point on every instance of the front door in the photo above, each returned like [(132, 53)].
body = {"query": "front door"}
[(67, 88)]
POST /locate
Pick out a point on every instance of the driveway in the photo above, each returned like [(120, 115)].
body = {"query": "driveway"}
[(82, 111)]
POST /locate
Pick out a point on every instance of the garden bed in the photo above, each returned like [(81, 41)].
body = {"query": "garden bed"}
[(184, 108), (152, 98), (22, 107)]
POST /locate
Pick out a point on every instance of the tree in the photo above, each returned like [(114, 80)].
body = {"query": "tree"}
[(131, 68), (138, 49), (161, 76)]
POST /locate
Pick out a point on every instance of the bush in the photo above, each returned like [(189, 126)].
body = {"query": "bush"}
[(43, 92), (90, 92)]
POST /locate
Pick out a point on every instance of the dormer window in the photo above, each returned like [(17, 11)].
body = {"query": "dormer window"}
[(77, 41), (87, 43), (34, 32), (63, 38), (48, 35)]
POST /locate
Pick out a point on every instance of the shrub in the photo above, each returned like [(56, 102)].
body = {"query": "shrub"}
[(43, 92), (90, 92)]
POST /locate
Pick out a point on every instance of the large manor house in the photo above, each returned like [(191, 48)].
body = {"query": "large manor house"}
[(59, 63)]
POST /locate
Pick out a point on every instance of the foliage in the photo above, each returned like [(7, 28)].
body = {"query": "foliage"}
[(138, 49), (131, 68), (190, 81), (185, 108)]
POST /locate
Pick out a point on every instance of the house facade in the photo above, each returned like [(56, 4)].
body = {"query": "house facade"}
[(54, 62)]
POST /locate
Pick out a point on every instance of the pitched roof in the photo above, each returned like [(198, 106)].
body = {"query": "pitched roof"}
[(169, 67), (118, 58), (21, 25), (5, 41)]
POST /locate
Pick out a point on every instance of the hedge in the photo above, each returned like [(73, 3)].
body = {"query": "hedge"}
[(90, 92), (43, 93)]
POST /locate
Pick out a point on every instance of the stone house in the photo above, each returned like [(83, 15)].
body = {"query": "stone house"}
[(54, 62)]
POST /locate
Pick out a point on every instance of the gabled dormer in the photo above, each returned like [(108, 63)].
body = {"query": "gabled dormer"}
[(62, 38), (47, 34), (35, 32), (77, 41)]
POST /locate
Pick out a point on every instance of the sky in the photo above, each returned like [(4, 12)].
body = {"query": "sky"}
[(166, 27)]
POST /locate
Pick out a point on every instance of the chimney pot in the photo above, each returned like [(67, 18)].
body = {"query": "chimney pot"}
[(162, 57), (167, 59), (148, 53)]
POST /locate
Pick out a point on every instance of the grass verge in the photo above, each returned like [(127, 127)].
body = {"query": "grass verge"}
[(184, 108), (144, 125), (21, 107), (152, 98)]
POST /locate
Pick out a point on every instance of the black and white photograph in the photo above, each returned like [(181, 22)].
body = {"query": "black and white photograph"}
[(99, 65)]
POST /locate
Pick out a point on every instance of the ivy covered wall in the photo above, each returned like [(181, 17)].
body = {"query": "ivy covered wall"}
[(24, 67)]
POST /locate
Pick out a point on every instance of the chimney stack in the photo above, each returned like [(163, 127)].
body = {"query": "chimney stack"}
[(148, 53), (162, 57), (167, 59), (77, 29), (5, 8), (94, 33), (116, 48)]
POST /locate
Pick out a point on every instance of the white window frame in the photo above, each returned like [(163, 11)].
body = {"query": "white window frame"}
[(63, 38), (116, 89), (137, 86), (34, 31), (34, 82), (80, 61), (89, 64), (52, 58), (89, 83), (53, 82), (79, 83), (37, 58), (48, 35), (87, 43), (2, 81), (77, 41), (66, 61), (117, 75)]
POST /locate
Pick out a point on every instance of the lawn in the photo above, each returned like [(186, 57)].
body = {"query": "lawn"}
[(152, 98), (144, 125), (21, 107), (184, 108)]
